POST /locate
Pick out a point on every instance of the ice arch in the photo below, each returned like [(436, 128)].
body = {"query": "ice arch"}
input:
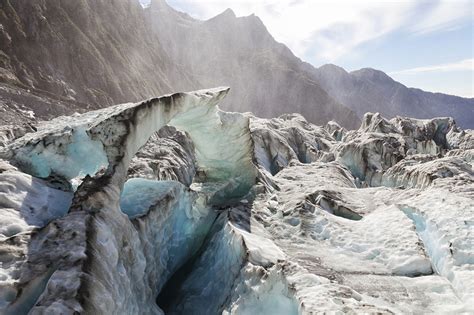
[(82, 144), (106, 244)]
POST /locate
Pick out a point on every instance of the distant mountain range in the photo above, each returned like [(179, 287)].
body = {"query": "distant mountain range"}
[(57, 57), (370, 90)]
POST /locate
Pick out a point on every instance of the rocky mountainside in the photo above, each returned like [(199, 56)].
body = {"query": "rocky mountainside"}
[(60, 57), (264, 75), (90, 54), (172, 206), (259, 62), (369, 90)]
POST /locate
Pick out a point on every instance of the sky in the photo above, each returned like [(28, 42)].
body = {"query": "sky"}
[(426, 44)]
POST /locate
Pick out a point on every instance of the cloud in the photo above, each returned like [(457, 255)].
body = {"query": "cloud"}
[(443, 15), (462, 65), (328, 30)]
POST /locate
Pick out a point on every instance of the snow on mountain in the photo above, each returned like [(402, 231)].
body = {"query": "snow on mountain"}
[(173, 206)]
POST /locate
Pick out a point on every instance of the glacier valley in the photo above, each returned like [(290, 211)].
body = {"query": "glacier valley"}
[(172, 206)]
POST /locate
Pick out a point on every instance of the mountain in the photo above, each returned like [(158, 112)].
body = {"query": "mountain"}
[(60, 57), (370, 90), (264, 75), (218, 53), (85, 54), (92, 54)]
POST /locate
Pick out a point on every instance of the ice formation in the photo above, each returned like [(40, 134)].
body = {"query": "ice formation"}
[(173, 206)]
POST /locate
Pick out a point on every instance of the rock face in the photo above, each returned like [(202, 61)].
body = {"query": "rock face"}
[(57, 58), (264, 75), (173, 206), (76, 51)]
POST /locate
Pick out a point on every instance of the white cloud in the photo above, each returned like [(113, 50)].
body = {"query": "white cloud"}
[(445, 15), (331, 29), (462, 65)]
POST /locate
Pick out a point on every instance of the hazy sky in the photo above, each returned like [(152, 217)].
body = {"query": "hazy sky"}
[(422, 43)]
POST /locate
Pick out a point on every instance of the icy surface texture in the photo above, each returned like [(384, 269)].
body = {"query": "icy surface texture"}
[(289, 137), (68, 153), (26, 203), (239, 258), (172, 206), (112, 253), (8, 133), (202, 292), (380, 144), (263, 292), (409, 233), (168, 155), (110, 137), (183, 223)]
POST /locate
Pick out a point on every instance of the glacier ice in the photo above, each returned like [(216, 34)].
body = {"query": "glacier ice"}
[(211, 278), (183, 226), (76, 146), (121, 131), (173, 206), (68, 156), (167, 155), (269, 296), (290, 137), (27, 204)]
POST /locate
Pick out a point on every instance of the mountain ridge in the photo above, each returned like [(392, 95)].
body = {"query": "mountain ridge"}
[(372, 90), (400, 100), (87, 54)]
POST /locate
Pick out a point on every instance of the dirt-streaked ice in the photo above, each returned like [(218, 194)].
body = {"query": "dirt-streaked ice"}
[(173, 206)]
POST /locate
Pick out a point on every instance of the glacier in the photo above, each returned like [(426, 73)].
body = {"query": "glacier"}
[(172, 206)]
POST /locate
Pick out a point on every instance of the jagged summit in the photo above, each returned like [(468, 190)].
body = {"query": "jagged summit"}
[(329, 67), (226, 14), (373, 75)]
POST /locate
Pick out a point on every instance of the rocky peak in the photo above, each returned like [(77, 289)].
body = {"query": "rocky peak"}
[(332, 68), (372, 75)]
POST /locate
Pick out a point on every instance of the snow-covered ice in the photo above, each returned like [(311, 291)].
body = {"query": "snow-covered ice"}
[(173, 206)]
